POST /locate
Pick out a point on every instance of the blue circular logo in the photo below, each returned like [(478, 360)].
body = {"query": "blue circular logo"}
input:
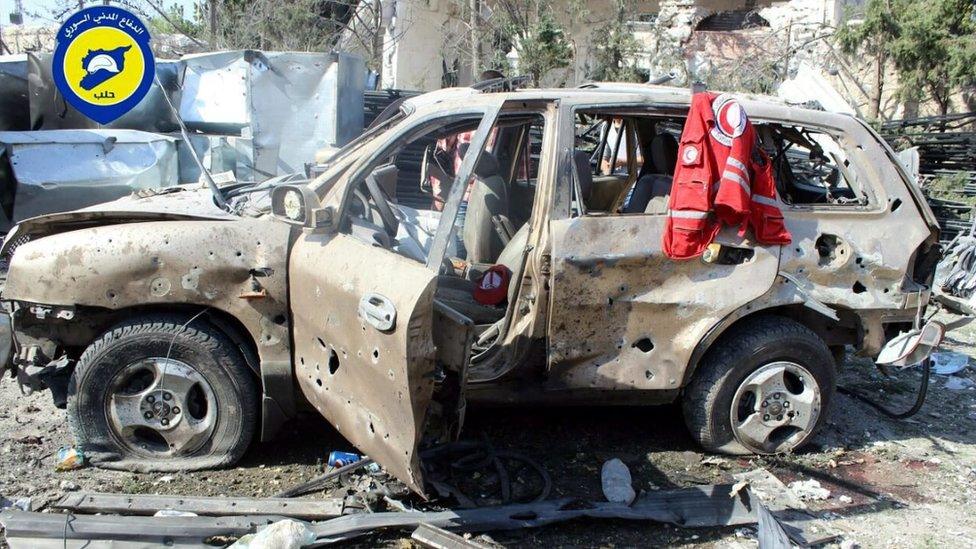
[(102, 62)]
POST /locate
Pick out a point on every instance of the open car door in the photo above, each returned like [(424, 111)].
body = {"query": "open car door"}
[(373, 349)]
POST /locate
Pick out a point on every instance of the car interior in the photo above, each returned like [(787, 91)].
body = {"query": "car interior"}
[(623, 165), (492, 227), (810, 166)]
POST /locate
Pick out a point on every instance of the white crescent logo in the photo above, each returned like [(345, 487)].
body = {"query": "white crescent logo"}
[(690, 154)]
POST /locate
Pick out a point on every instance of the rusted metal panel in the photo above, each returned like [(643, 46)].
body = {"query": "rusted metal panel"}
[(105, 165), (290, 104), (160, 263), (624, 315), (374, 386)]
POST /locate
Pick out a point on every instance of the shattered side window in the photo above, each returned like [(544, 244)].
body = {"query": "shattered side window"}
[(398, 205), (811, 166)]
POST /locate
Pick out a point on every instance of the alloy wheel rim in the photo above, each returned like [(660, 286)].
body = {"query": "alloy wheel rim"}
[(776, 408), (161, 407)]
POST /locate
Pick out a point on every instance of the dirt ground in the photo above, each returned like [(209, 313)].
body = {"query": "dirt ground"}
[(893, 483)]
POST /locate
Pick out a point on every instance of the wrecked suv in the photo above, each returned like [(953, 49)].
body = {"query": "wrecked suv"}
[(175, 331)]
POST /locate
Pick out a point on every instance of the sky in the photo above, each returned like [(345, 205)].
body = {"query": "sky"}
[(47, 7)]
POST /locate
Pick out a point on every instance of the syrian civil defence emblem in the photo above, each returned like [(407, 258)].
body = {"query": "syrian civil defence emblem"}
[(730, 119), (102, 62)]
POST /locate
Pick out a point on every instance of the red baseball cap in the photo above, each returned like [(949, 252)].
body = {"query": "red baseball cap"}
[(492, 286)]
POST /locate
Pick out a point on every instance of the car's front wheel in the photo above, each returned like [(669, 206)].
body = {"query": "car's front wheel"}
[(163, 394), (763, 388)]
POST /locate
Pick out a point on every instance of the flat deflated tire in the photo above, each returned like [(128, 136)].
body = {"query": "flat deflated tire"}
[(160, 394), (764, 387)]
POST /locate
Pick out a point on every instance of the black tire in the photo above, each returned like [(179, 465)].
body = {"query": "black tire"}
[(707, 401), (200, 345)]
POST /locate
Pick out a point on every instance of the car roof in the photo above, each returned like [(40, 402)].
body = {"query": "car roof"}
[(614, 93)]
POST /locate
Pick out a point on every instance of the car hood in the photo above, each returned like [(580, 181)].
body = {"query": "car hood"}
[(171, 203)]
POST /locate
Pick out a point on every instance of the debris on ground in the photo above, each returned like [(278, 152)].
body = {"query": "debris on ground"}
[(809, 490), (69, 459), (284, 534), (946, 363), (24, 504), (908, 481), (617, 483), (431, 536), (165, 479), (695, 507), (956, 383), (788, 508)]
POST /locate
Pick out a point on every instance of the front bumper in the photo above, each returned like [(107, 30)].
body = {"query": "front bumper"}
[(30, 337)]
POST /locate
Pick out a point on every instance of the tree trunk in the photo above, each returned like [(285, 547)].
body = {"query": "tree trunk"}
[(475, 41), (213, 24), (879, 66), (377, 53)]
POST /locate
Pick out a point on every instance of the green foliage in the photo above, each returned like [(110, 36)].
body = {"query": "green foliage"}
[(174, 20), (540, 42), (873, 34), (930, 43), (950, 187), (614, 44), (298, 25), (936, 49)]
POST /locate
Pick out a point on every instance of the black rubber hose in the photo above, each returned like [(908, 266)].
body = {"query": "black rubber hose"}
[(923, 390), (319, 482)]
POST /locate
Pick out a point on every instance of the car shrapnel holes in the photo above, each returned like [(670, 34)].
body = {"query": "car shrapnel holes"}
[(644, 344), (333, 362)]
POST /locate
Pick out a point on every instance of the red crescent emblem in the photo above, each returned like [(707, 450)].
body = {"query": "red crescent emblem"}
[(730, 119)]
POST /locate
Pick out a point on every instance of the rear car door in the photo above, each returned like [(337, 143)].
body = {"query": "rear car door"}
[(371, 343), (623, 316)]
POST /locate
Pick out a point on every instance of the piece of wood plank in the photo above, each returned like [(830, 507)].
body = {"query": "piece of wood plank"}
[(434, 537), (143, 504)]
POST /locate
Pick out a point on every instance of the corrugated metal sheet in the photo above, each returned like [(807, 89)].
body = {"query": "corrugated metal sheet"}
[(59, 170), (49, 110), (218, 153), (14, 105), (290, 104)]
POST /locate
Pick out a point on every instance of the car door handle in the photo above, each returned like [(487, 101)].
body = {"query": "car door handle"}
[(378, 310)]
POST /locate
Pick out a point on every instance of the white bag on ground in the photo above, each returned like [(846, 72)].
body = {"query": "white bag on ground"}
[(284, 534), (617, 484)]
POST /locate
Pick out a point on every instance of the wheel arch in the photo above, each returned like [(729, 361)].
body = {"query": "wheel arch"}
[(833, 332), (275, 377)]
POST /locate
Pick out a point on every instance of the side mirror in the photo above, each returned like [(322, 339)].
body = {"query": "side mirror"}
[(299, 205)]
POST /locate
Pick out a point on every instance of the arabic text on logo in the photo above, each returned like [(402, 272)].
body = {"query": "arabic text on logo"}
[(102, 62)]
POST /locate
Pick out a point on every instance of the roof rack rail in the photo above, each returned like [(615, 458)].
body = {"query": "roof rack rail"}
[(501, 84), (653, 82)]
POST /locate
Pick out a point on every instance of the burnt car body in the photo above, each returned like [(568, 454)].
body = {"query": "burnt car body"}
[(347, 294)]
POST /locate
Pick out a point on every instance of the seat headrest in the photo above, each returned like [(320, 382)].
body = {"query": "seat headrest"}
[(585, 173), (664, 153), (487, 166)]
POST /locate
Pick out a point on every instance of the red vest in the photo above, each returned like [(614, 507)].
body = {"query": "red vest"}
[(721, 177)]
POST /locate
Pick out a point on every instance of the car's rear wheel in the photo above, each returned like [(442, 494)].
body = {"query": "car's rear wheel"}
[(763, 388), (158, 393)]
